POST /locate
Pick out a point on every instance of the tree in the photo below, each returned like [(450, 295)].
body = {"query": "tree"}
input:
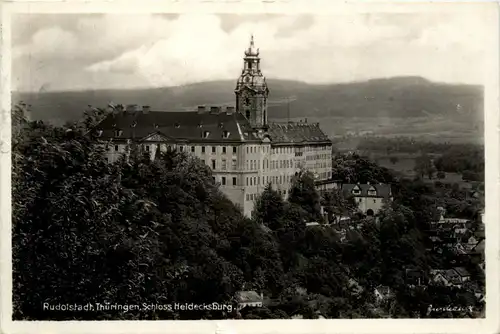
[(424, 166), (303, 193), (269, 208), (335, 203)]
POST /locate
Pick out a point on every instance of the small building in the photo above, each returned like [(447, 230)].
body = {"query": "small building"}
[(249, 299), (463, 273), (369, 197)]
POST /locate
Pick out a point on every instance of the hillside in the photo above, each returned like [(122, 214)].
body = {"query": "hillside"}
[(394, 99)]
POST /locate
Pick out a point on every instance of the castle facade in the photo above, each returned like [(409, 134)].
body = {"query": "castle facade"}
[(243, 149)]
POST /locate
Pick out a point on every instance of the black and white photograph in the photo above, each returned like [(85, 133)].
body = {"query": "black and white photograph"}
[(250, 165)]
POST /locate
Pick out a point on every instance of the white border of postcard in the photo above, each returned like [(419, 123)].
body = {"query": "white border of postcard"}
[(490, 324)]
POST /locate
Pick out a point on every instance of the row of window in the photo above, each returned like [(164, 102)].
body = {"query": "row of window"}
[(318, 157), (255, 149), (359, 200), (285, 149), (273, 179), (223, 181), (318, 165), (250, 149), (251, 197), (223, 164), (275, 164)]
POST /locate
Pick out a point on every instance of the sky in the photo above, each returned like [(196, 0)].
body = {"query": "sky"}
[(108, 51)]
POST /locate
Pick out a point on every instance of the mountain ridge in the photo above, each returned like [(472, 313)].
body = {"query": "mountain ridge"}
[(407, 97)]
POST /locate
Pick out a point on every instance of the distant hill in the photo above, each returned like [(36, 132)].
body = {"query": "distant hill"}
[(399, 97)]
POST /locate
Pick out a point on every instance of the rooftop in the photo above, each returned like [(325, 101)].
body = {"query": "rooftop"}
[(382, 190), (205, 125)]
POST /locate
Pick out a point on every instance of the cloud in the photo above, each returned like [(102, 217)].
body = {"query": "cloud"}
[(112, 51)]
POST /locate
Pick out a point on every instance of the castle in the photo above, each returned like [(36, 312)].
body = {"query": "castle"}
[(244, 150)]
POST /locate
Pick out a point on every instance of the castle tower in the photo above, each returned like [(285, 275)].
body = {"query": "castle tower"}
[(251, 89)]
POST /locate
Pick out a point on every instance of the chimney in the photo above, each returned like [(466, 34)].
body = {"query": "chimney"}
[(146, 109), (131, 108), (201, 109), (229, 110), (214, 110), (111, 109), (119, 107)]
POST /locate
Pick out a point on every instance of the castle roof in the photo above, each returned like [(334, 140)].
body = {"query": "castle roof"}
[(296, 133), (206, 126), (190, 126)]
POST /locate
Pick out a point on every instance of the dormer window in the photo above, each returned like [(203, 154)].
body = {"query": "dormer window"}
[(177, 125), (206, 134), (156, 126), (118, 133), (99, 133), (134, 124), (225, 134), (372, 191), (200, 125), (356, 191)]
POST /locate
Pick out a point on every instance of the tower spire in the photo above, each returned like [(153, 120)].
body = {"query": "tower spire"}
[(251, 51)]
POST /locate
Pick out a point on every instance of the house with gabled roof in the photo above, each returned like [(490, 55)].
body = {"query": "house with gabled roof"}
[(369, 197)]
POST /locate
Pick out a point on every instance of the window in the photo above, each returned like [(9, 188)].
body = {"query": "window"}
[(192, 149), (223, 179), (234, 181), (224, 166), (247, 181), (374, 201), (234, 149), (251, 183), (223, 149), (213, 149), (233, 164), (116, 147), (147, 148), (213, 164), (213, 178), (225, 134), (356, 191), (248, 197), (203, 149), (247, 149), (206, 134)]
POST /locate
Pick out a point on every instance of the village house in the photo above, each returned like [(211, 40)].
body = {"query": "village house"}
[(249, 299), (450, 277), (369, 197)]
